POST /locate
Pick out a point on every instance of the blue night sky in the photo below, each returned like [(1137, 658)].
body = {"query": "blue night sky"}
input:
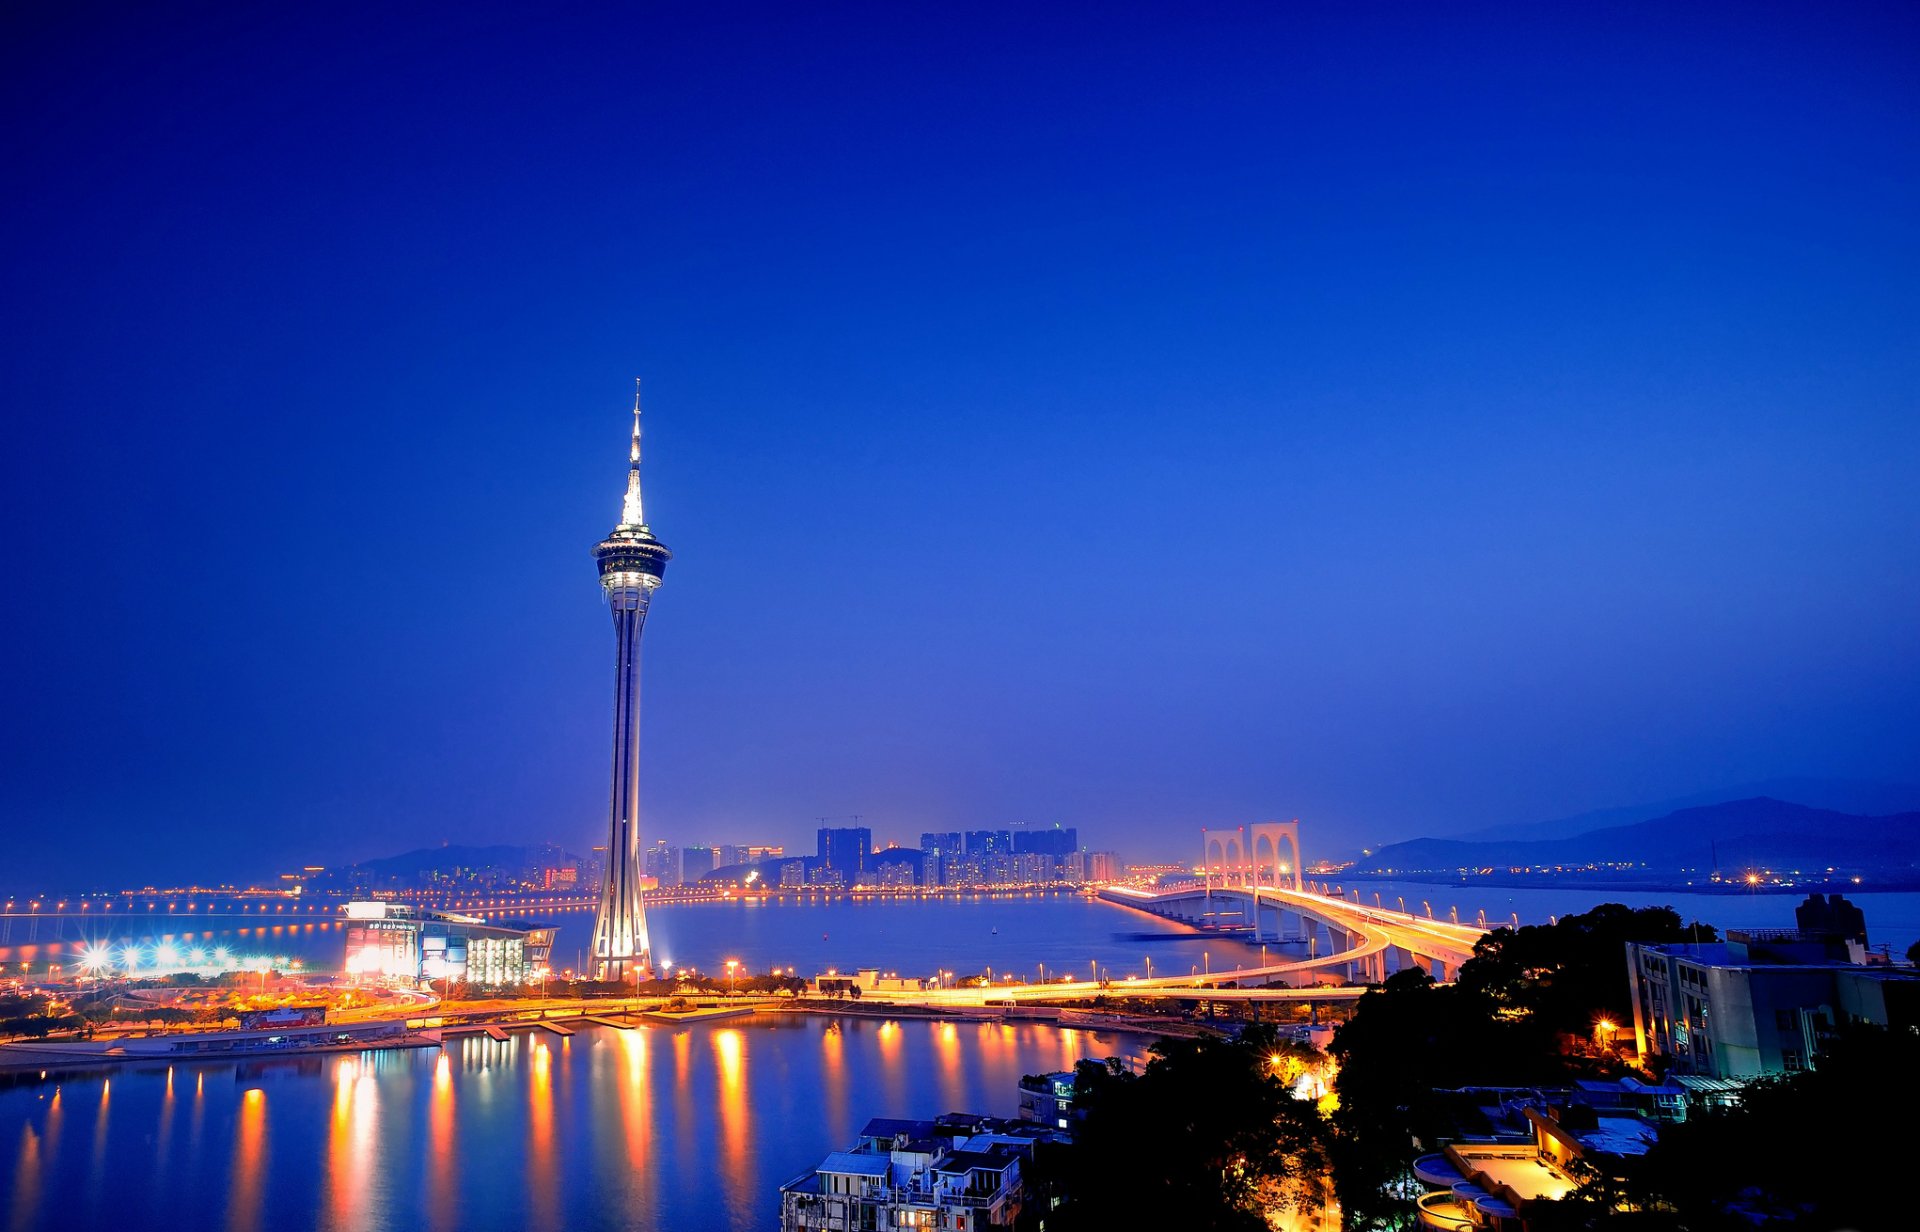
[(1403, 419)]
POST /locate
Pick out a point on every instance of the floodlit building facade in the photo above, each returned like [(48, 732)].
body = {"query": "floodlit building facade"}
[(1760, 1002), (397, 942)]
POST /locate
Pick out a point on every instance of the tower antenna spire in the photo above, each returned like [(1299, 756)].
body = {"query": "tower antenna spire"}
[(630, 512)]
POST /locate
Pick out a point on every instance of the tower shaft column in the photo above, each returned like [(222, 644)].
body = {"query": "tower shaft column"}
[(621, 946)]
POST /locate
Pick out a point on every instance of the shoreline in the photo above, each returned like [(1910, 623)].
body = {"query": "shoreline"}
[(1725, 889)]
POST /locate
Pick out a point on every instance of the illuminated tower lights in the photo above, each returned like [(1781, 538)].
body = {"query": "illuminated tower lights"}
[(632, 562)]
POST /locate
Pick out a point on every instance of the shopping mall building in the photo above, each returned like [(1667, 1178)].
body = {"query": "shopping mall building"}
[(395, 941)]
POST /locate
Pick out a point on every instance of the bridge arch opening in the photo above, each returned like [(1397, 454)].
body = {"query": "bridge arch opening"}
[(1226, 857), (1270, 867)]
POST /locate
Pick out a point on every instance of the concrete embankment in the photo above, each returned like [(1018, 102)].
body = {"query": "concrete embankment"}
[(1051, 1015)]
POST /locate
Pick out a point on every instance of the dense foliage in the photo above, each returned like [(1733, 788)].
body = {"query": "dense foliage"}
[(1827, 1146), (1519, 1015), (1207, 1136)]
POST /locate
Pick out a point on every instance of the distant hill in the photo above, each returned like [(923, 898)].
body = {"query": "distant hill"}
[(446, 859), (412, 869), (1732, 835), (1863, 799)]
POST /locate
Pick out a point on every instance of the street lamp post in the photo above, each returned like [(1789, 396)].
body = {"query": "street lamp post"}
[(731, 964)]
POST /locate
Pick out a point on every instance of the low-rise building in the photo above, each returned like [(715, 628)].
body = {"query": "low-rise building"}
[(836, 982), (1048, 1098), (959, 1173), (1493, 1184)]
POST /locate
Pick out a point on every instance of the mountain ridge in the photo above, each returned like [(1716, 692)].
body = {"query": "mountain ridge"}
[(1730, 836)]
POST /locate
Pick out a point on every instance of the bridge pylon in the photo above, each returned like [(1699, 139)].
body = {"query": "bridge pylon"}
[(1251, 855)]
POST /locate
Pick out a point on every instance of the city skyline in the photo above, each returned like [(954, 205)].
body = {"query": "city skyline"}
[(1139, 426)]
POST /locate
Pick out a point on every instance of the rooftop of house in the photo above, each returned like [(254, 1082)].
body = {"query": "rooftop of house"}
[(888, 1127), (1595, 1131), (1522, 1173), (856, 1163), (1619, 1135), (969, 1161)]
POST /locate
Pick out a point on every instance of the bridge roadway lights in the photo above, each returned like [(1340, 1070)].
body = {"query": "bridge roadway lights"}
[(1357, 938)]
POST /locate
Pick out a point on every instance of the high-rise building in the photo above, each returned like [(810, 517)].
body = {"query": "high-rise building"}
[(632, 563), (695, 863), (662, 863), (938, 850), (1053, 841), (845, 850), (989, 842)]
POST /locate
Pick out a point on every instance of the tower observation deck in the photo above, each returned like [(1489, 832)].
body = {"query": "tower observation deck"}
[(632, 562)]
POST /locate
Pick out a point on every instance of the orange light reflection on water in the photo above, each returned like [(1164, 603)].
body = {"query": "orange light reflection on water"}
[(164, 1143), (100, 1130), (729, 1050), (352, 1135), (634, 1109), (442, 1163), (833, 1080), (26, 1181), (893, 1074), (541, 1181), (243, 1201), (951, 1065), (734, 1115)]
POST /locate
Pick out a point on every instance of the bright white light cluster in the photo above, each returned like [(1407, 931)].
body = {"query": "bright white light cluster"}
[(168, 957)]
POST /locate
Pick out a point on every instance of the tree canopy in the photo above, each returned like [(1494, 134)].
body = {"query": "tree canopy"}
[(1207, 1136)]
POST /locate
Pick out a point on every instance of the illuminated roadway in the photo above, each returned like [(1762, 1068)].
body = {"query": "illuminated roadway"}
[(1370, 933)]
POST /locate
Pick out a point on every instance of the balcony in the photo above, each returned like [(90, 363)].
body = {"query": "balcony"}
[(1443, 1212)]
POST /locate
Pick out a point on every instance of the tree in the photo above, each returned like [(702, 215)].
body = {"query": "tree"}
[(1570, 973), (1913, 953), (1799, 1145), (1208, 1137)]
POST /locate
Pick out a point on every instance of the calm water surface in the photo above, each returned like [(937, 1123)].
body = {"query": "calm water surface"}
[(670, 1127)]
